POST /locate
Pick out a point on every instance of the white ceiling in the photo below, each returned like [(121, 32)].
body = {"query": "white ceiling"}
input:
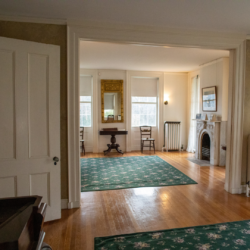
[(99, 55), (214, 15)]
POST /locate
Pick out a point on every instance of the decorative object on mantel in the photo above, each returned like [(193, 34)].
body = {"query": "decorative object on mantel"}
[(204, 117), (212, 118), (198, 116), (209, 99)]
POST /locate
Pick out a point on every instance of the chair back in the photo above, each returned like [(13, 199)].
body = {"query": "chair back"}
[(145, 131), (81, 132)]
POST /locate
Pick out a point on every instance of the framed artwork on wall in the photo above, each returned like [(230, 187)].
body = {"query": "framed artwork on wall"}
[(209, 99)]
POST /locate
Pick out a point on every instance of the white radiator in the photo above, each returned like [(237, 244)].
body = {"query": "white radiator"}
[(172, 136)]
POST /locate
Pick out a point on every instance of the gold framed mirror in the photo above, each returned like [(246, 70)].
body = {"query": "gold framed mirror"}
[(112, 101)]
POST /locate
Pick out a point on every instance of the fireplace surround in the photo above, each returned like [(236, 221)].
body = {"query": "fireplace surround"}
[(205, 147), (209, 129)]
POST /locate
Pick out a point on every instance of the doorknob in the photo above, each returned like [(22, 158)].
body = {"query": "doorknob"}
[(55, 159)]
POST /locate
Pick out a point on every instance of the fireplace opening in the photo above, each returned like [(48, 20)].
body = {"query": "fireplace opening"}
[(205, 149)]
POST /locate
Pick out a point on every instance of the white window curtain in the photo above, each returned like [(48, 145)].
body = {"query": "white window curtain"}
[(194, 109)]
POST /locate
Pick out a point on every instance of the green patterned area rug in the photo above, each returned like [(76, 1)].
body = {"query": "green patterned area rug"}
[(231, 235), (129, 172)]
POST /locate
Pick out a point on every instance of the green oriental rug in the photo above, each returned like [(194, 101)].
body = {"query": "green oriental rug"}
[(129, 172), (231, 235)]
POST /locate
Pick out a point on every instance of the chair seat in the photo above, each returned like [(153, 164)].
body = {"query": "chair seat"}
[(149, 139)]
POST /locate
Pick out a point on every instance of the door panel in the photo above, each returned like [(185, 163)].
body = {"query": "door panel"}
[(30, 122), (7, 107), (38, 106), (40, 185), (8, 187)]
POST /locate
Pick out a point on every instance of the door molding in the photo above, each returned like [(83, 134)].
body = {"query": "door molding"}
[(236, 90), (129, 34)]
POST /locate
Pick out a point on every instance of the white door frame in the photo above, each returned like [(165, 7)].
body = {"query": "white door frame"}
[(159, 37)]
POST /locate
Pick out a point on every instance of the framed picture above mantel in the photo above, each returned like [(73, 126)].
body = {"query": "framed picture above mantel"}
[(209, 99)]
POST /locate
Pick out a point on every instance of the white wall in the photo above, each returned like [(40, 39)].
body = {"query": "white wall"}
[(216, 74), (176, 88)]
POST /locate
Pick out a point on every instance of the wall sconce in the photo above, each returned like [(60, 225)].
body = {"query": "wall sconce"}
[(166, 98)]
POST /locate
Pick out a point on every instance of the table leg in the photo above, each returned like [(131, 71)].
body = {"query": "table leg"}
[(113, 145), (108, 150)]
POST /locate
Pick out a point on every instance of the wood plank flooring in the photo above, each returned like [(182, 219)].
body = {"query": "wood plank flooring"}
[(124, 211)]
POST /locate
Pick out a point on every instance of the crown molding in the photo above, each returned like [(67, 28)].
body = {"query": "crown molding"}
[(154, 29), (32, 20), (154, 36), (176, 73), (226, 39), (212, 62)]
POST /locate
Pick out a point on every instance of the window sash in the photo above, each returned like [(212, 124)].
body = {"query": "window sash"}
[(146, 116), (86, 117)]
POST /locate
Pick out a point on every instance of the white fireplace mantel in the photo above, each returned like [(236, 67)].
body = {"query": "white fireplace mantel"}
[(212, 128)]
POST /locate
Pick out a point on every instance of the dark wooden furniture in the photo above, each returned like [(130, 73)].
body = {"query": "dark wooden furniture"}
[(113, 144), (81, 138), (146, 132), (21, 223)]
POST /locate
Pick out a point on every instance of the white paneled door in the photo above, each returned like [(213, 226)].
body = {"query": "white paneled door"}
[(30, 122)]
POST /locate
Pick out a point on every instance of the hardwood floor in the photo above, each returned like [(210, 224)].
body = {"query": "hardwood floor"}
[(124, 211)]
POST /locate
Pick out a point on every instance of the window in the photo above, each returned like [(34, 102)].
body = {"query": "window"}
[(144, 111), (85, 111)]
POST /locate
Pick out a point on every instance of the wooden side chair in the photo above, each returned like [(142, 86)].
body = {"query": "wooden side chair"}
[(81, 138), (146, 132)]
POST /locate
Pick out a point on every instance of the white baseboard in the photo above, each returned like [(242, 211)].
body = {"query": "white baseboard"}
[(237, 190), (136, 148), (73, 204), (243, 189), (64, 203), (87, 149)]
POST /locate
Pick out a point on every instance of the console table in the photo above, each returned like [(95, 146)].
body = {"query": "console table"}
[(113, 144)]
